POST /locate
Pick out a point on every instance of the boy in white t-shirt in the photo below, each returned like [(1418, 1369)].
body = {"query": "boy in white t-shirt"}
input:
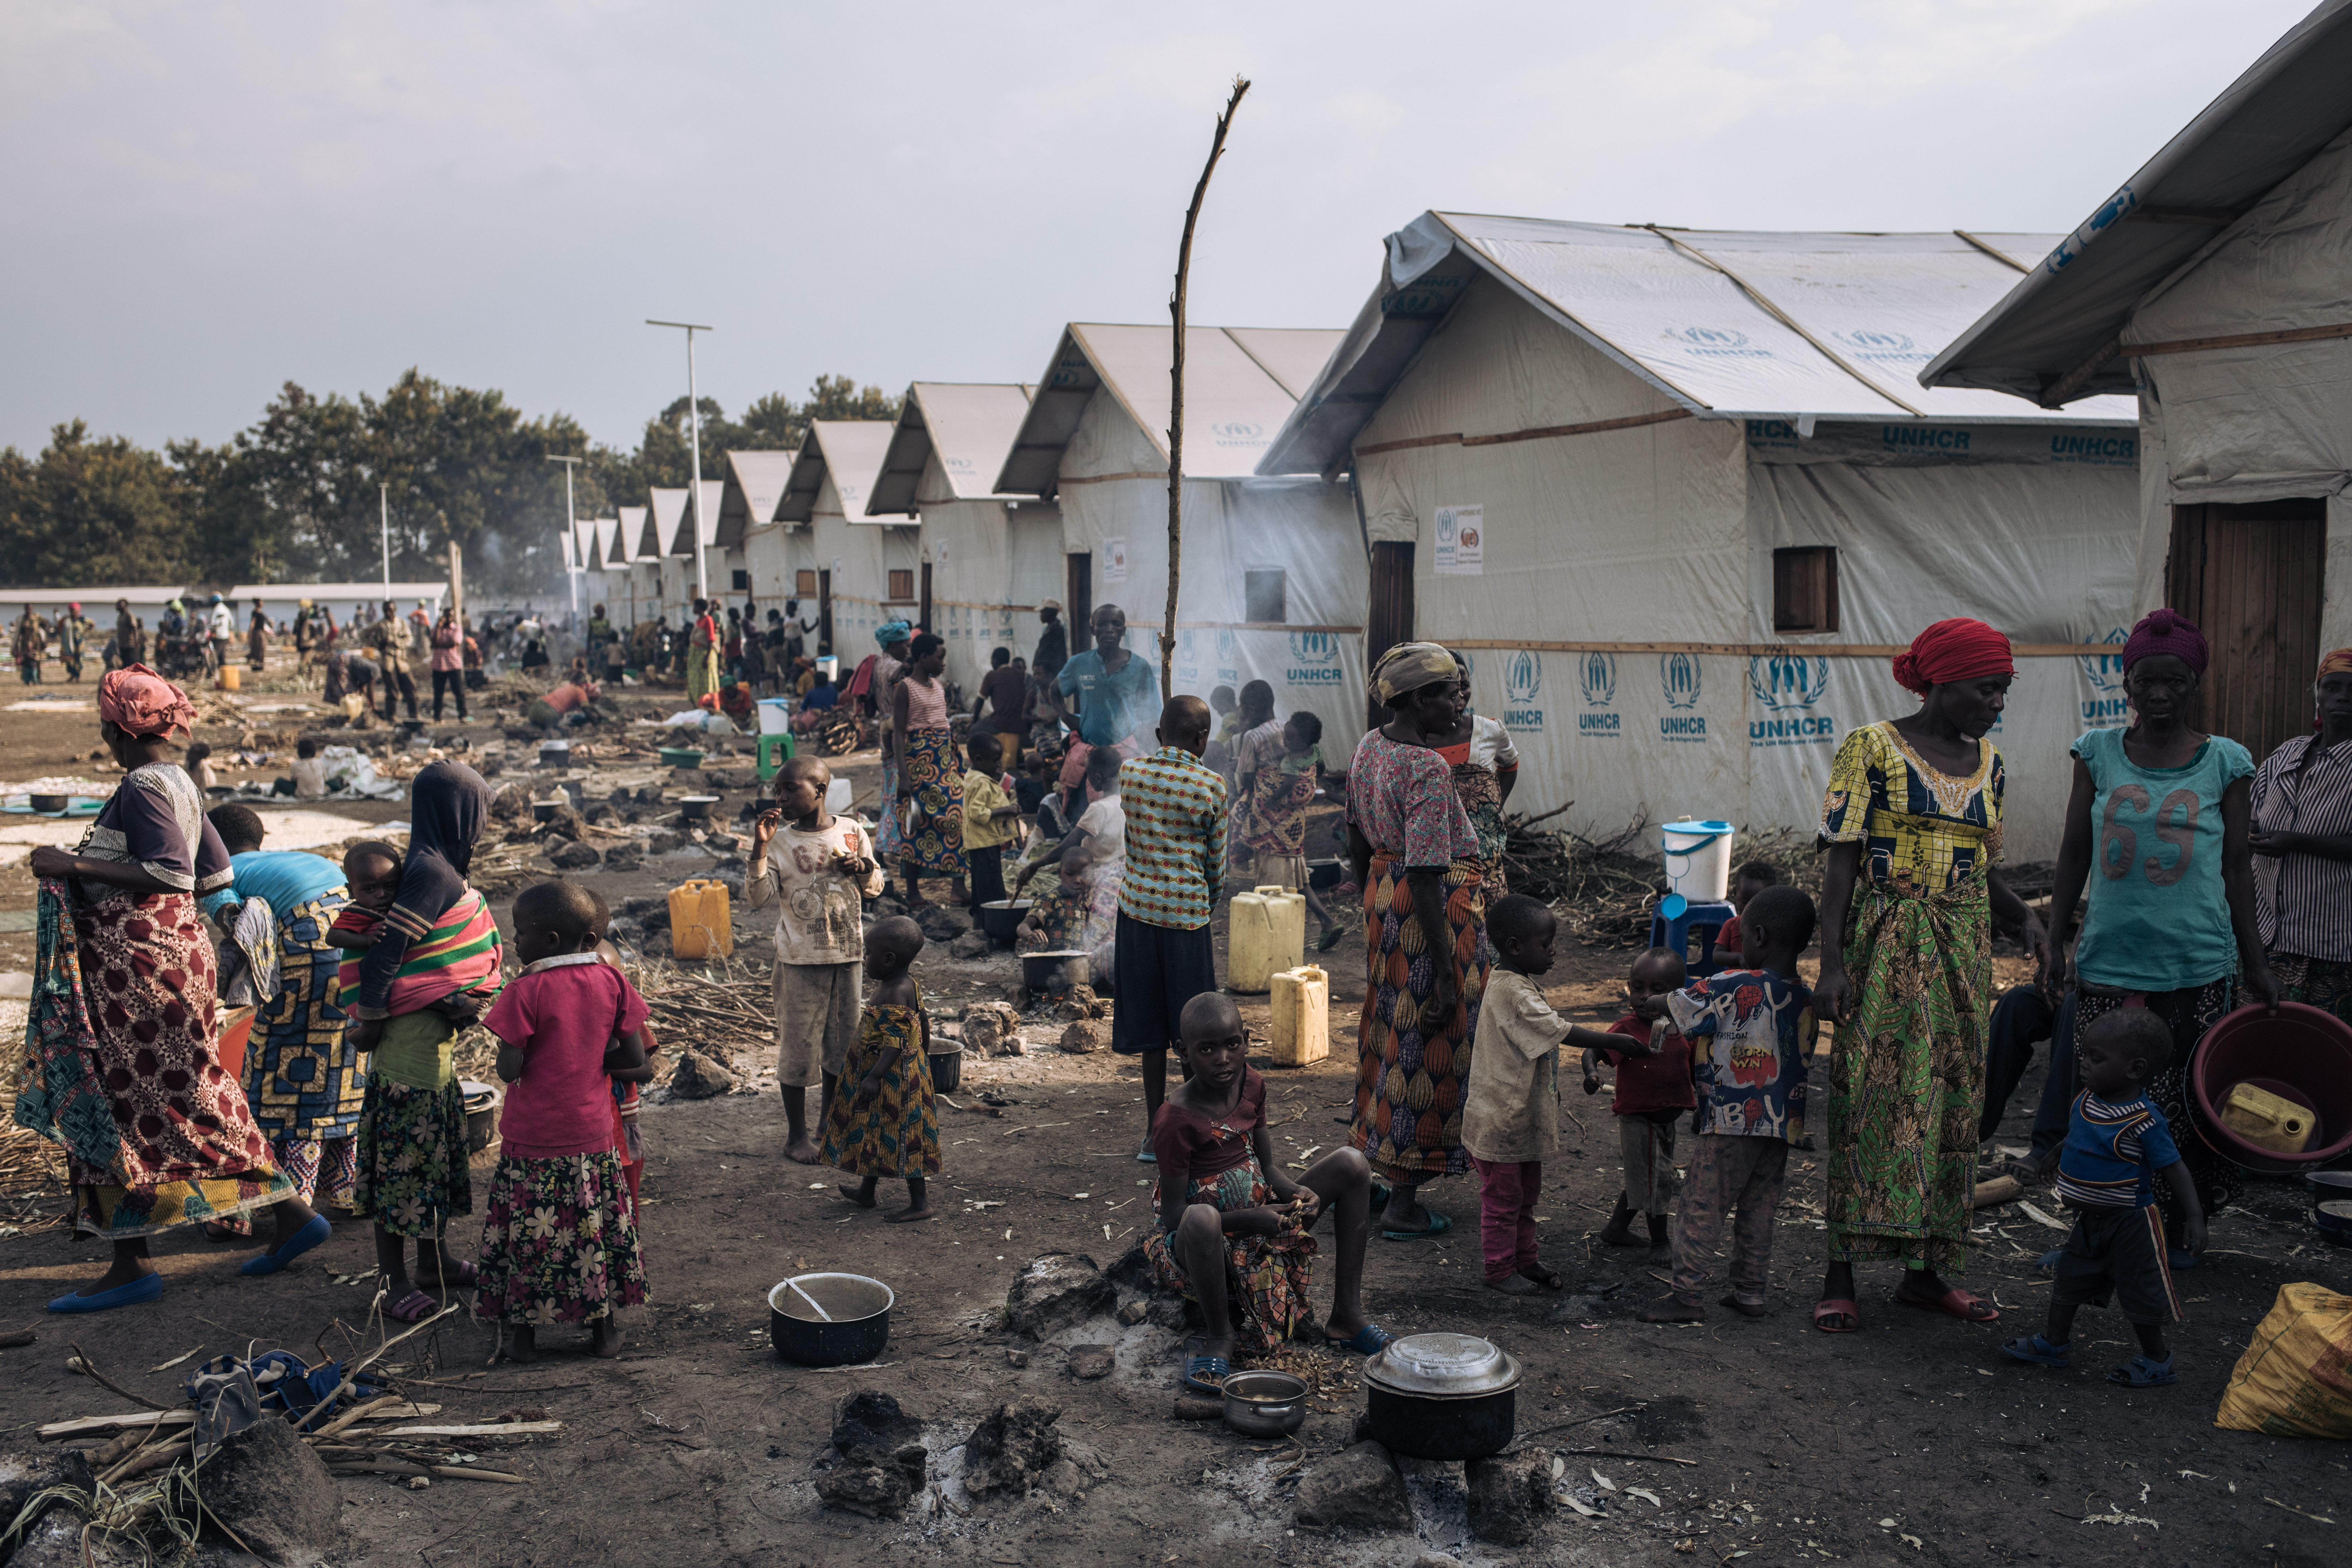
[(823, 871)]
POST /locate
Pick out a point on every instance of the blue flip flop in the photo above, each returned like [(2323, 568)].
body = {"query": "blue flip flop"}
[(2145, 1373), (1438, 1226), (300, 1242), (1201, 1367), (146, 1287), (2037, 1349), (1144, 1155), (1369, 1340)]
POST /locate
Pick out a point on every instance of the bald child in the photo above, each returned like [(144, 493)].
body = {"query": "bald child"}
[(1175, 806)]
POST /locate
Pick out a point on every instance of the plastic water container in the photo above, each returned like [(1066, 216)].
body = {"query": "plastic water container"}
[(1698, 861), (1302, 1016), (836, 797), (774, 717), (700, 923), (2268, 1121), (232, 679), (1266, 934)]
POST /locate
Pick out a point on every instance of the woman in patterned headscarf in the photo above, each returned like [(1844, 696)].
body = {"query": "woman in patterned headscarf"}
[(1416, 858), (122, 1064)]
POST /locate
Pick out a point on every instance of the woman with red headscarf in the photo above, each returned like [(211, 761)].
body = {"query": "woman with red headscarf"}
[(1911, 822), (122, 1068)]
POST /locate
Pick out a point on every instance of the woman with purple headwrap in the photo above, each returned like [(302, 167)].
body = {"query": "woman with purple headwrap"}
[(2157, 829)]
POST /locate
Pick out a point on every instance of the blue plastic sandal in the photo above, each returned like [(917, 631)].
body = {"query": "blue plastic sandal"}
[(1438, 1226), (1370, 1340), (295, 1245), (2037, 1349), (2048, 1261), (146, 1287), (2144, 1373), (1199, 1369)]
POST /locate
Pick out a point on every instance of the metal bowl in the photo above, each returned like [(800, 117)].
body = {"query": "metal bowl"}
[(2329, 1187), (859, 1311), (697, 807), (1265, 1404), (482, 1102), (2335, 1221)]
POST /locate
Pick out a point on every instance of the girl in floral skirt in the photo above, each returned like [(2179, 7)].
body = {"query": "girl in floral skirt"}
[(560, 1240), (888, 1127)]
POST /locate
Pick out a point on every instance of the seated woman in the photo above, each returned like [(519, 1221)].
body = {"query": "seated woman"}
[(1082, 912), (1235, 1232)]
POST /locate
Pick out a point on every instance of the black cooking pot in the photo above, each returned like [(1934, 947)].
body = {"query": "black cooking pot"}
[(1442, 1396), (859, 1308), (1002, 920)]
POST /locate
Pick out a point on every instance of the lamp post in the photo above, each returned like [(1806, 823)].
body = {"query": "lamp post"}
[(693, 452), (383, 503), (570, 531)]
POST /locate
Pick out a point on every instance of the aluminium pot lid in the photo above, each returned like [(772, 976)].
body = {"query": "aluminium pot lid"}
[(1446, 1366)]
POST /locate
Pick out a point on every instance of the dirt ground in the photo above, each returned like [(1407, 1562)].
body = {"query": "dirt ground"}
[(1912, 1440)]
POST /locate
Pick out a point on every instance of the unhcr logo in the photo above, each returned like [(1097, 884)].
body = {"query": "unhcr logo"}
[(1238, 432), (1522, 684), (1887, 348), (1314, 659), (1678, 674), (1715, 343), (2103, 704), (1787, 679), (1596, 680)]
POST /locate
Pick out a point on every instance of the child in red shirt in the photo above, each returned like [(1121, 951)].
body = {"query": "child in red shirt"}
[(1654, 1089)]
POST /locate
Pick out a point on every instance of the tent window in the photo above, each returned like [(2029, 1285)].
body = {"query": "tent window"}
[(1265, 597), (902, 586), (743, 581), (804, 583), (1805, 589)]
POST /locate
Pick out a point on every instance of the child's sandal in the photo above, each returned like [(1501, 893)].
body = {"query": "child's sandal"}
[(2037, 1351), (2145, 1373)]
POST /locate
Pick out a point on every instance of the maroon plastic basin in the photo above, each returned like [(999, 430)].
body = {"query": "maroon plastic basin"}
[(2299, 1053)]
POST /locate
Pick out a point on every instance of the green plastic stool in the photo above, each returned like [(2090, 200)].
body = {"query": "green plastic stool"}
[(775, 750)]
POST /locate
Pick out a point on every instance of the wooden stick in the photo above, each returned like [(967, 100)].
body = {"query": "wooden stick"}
[(351, 1418), (1621, 1454), (10, 1341), (89, 1369), (1583, 1420), (401, 1468), (483, 1430), (92, 1426)]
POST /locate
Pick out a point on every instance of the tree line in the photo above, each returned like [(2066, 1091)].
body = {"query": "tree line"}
[(294, 496)]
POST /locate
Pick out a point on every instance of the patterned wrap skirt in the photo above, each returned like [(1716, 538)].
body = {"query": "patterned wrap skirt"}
[(1266, 1277), (1480, 788), (413, 1176), (930, 796), (2322, 982), (1413, 1071), (2187, 1013), (898, 1134), (560, 1242), (1906, 1076)]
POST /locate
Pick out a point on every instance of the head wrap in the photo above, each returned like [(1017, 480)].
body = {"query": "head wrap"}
[(449, 803), (2168, 631), (1409, 667), (2335, 661), (136, 699), (74, 607), (1957, 649), (890, 632)]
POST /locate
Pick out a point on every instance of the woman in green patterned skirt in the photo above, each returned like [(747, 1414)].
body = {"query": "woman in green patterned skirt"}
[(1911, 823)]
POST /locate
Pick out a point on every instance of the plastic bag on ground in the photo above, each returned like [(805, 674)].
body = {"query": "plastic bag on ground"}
[(2295, 1378)]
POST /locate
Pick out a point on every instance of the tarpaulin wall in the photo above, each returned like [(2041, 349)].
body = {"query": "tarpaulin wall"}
[(991, 563)]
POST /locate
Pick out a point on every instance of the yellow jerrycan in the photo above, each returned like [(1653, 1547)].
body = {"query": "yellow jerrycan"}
[(1266, 933), (700, 925), (1302, 1016), (2271, 1121)]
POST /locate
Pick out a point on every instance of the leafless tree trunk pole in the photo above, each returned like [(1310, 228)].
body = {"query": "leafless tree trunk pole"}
[(1176, 387)]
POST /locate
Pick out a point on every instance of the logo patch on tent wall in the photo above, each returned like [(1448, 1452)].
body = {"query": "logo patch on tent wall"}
[(2104, 703), (1789, 687), (1596, 682), (1717, 342), (1678, 679), (1522, 684), (1873, 346), (1314, 659), (1238, 431), (1188, 665)]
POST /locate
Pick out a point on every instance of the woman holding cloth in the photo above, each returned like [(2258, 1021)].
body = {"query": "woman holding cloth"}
[(1416, 857), (120, 1065), (2161, 812), (1911, 823), (2302, 842)]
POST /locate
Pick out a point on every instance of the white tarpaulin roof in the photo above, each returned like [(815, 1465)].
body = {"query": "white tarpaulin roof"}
[(359, 592), (754, 485), (663, 511), (970, 425), (850, 452), (601, 553), (1789, 326), (1239, 387), (629, 537), (91, 598)]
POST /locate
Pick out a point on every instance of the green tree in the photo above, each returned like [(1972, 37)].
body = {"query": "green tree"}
[(93, 512)]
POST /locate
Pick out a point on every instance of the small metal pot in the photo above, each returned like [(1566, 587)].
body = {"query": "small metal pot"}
[(947, 1069), (1265, 1404), (860, 1310), (555, 753), (482, 1101), (48, 805), (1442, 1396), (545, 810), (697, 807), (1002, 920), (1054, 972), (1325, 875)]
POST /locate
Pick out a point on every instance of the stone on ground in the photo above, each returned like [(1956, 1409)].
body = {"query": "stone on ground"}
[(569, 856), (971, 945), (274, 1492), (1085, 1037), (1059, 1290), (1090, 1361), (1509, 1495), (1014, 1448), (698, 1077), (27, 1470), (1355, 1489), (879, 1459)]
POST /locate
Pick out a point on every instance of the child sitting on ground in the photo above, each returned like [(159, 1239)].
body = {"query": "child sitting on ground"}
[(2117, 1147), (559, 1231), (1750, 1030), (817, 869), (1510, 1112), (889, 1126), (1233, 1230), (991, 820), (1654, 1089)]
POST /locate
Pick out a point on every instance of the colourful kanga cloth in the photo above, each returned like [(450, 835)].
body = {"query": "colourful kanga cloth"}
[(302, 1073), (559, 1242), (563, 1014), (2113, 1152), (1917, 828), (2155, 917), (1412, 1071), (413, 1176), (460, 951), (982, 798), (930, 795), (1189, 1144), (1510, 1109), (1646, 1084), (1478, 766), (897, 1135), (1266, 1277), (1402, 799), (1273, 820), (1751, 1030), (1175, 812)]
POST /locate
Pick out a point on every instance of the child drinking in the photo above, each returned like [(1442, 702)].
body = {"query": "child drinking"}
[(1510, 1111), (1758, 1026), (1653, 1089), (991, 820), (559, 1231), (2117, 1147), (1233, 1230), (817, 869), (889, 1128), (1274, 784), (428, 965)]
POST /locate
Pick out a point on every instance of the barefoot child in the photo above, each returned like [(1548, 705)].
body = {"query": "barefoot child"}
[(2117, 1148), (1750, 1030), (1233, 1231), (560, 1233), (428, 965), (1654, 1089), (817, 869), (1510, 1112), (888, 1127), (991, 819)]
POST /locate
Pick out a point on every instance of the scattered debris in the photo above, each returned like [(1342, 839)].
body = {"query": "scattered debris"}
[(1012, 1448), (1509, 1495), (1090, 1361)]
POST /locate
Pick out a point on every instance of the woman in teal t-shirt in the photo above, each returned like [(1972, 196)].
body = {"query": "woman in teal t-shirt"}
[(2157, 827)]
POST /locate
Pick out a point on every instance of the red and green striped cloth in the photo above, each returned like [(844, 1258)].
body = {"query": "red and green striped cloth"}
[(457, 953)]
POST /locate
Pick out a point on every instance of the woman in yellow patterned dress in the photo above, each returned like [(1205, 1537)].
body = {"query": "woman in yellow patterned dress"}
[(1911, 823)]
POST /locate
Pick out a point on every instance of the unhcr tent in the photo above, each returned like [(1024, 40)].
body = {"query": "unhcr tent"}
[(865, 565), (641, 589), (1272, 580), (987, 560), (756, 544), (1677, 498), (2213, 284)]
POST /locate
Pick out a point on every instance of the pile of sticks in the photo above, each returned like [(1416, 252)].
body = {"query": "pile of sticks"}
[(1603, 887), (717, 1009)]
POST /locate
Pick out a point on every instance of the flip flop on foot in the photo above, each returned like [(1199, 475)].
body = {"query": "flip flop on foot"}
[(1828, 1311), (1206, 1374), (292, 1247), (413, 1307), (2037, 1349), (1674, 1308), (1438, 1226), (1745, 1309), (1954, 1303), (1370, 1340), (2144, 1371)]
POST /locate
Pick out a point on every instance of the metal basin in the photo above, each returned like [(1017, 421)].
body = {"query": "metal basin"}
[(859, 1307)]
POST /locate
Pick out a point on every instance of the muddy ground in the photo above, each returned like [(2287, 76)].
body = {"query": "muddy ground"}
[(1913, 1440)]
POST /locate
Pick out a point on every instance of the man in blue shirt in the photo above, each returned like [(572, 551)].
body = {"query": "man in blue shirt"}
[(1115, 694)]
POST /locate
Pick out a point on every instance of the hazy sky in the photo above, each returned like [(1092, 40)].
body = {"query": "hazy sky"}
[(207, 200)]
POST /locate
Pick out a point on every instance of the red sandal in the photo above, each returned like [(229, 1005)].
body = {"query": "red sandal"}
[(1835, 1307)]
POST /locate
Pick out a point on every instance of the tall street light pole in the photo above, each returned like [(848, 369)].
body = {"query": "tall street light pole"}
[(384, 502), (693, 452), (571, 532)]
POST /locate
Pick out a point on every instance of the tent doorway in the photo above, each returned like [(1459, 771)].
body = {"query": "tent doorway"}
[(1079, 587), (1388, 619), (2249, 577), (824, 612), (923, 612)]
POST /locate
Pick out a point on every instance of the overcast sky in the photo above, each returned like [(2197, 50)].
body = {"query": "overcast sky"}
[(207, 200)]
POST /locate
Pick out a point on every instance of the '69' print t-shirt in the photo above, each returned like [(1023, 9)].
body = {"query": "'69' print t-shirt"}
[(2154, 915)]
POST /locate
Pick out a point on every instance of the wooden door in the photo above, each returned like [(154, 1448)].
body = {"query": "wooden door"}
[(1388, 620), (923, 608), (2249, 576), (1080, 588), (824, 612)]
